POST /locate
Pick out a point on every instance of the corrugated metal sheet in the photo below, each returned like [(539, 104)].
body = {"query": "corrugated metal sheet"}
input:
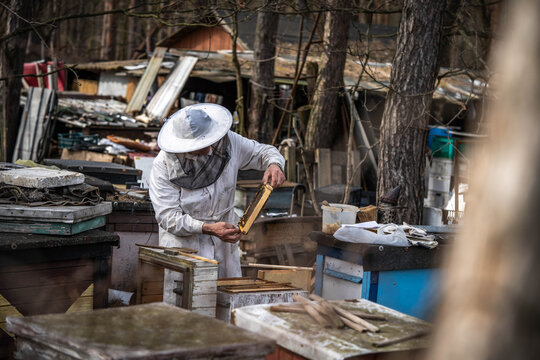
[(35, 127), (165, 97), (139, 96), (111, 84)]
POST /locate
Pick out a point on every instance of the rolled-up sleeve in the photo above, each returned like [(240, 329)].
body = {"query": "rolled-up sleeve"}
[(253, 155), (165, 198)]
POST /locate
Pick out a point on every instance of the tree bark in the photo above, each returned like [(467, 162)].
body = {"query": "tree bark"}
[(11, 62), (261, 113), (108, 37), (132, 34), (491, 295), (404, 121), (323, 117)]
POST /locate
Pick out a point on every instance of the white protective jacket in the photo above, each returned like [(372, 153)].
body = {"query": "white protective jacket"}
[(181, 213)]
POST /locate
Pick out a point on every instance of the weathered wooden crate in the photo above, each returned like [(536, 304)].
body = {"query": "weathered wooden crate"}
[(234, 293), (199, 279), (41, 274), (142, 332)]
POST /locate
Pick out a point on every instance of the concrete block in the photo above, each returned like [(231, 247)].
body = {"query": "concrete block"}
[(40, 178)]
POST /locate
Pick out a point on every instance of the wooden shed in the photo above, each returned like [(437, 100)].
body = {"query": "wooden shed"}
[(203, 38)]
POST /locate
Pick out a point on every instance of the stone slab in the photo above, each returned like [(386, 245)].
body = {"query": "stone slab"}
[(151, 331), (62, 214), (40, 178)]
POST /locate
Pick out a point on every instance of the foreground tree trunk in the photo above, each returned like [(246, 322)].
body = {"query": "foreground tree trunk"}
[(404, 122), (11, 63), (323, 116), (491, 294), (261, 113)]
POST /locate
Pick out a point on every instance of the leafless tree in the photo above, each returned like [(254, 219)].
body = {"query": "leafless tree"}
[(405, 120)]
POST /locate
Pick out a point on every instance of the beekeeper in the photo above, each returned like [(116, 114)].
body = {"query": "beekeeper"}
[(193, 182)]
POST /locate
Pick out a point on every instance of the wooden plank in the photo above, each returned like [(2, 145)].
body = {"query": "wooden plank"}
[(85, 155), (203, 301), (205, 274), (204, 287), (246, 290), (145, 83), (52, 228), (41, 305), (64, 214), (43, 266), (324, 173), (290, 256), (297, 278), (131, 86), (68, 290), (86, 86), (150, 271), (184, 261), (85, 302), (151, 298), (152, 287), (240, 281), (102, 280), (45, 277)]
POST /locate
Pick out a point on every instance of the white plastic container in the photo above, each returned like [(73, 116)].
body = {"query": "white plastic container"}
[(336, 214)]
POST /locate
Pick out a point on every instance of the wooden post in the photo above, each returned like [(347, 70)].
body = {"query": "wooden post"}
[(289, 153), (324, 167)]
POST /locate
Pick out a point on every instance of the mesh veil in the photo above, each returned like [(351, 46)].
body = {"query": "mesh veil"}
[(203, 170)]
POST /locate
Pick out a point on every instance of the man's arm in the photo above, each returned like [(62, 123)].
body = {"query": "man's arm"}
[(257, 156), (273, 176), (165, 198), (225, 231)]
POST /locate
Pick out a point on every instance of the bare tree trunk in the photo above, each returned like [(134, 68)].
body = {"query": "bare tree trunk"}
[(11, 63), (238, 73), (471, 42), (323, 116), (108, 36), (491, 293), (131, 30), (261, 113), (404, 121)]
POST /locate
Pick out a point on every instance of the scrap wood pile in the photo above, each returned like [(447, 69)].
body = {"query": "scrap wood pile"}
[(94, 112), (332, 316)]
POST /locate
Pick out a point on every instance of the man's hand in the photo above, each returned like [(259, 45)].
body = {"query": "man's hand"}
[(274, 175), (225, 231)]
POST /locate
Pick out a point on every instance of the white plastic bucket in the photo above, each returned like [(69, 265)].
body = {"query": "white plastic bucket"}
[(336, 214)]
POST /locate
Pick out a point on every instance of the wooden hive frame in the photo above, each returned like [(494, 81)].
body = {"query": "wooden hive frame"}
[(254, 209)]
